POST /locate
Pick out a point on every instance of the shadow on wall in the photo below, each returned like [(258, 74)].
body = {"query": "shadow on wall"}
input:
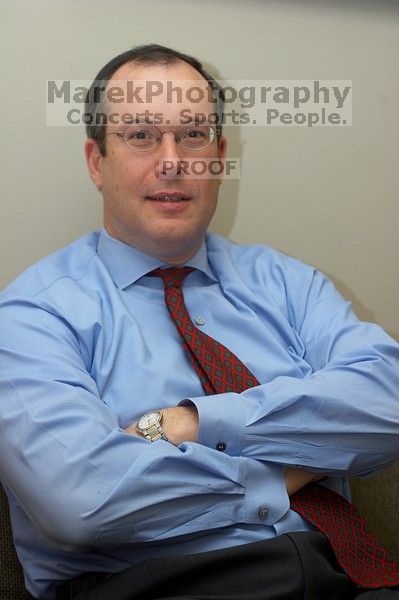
[(361, 310)]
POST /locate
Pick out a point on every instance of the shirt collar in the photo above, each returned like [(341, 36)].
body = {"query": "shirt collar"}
[(126, 264)]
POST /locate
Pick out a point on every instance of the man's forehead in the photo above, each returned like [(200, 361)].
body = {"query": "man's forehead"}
[(173, 88)]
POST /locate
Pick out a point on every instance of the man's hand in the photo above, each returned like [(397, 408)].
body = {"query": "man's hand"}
[(295, 479), (180, 424)]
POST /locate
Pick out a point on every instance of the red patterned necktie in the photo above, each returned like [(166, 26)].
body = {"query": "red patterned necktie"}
[(366, 562)]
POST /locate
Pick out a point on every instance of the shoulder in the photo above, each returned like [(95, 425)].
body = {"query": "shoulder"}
[(68, 264), (256, 261), (261, 276)]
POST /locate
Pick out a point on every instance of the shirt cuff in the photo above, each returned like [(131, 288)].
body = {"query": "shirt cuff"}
[(221, 421), (266, 498)]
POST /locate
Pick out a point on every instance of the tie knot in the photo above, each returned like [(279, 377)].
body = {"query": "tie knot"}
[(172, 276)]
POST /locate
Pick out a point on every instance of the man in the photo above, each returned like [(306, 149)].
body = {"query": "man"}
[(116, 456)]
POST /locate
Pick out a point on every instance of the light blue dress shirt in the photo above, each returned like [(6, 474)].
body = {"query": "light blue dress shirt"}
[(87, 346)]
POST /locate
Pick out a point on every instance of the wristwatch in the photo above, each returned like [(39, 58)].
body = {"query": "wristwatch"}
[(149, 426)]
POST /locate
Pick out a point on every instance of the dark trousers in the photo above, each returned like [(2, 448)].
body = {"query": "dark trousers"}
[(297, 566)]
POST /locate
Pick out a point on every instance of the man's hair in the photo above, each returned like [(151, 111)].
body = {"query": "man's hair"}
[(149, 54)]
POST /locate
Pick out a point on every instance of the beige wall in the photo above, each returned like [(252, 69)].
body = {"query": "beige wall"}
[(325, 195)]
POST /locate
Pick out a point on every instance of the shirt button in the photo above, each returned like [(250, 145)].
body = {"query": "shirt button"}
[(200, 320), (221, 446), (262, 513)]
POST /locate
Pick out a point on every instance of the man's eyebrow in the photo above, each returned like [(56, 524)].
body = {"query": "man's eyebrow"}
[(138, 121), (146, 120), (197, 121)]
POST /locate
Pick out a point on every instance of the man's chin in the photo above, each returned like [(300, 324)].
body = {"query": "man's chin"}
[(176, 246)]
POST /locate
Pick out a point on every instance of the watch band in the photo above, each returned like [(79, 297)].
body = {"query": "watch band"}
[(153, 431)]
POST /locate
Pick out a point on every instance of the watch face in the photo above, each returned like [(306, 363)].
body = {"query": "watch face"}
[(149, 419)]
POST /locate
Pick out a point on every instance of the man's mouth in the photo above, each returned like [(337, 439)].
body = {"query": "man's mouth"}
[(169, 197)]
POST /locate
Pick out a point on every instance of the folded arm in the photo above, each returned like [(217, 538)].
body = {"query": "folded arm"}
[(80, 478), (180, 424), (341, 419)]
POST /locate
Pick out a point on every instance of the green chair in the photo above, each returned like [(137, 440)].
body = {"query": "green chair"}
[(11, 575), (377, 499)]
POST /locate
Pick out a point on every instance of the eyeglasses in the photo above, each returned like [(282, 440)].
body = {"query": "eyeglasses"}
[(143, 137)]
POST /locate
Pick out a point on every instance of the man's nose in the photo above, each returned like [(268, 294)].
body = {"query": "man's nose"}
[(170, 156)]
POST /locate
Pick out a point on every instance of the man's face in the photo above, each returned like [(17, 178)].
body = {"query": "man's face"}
[(162, 212)]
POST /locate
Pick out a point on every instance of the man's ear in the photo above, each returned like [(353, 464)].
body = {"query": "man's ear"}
[(94, 161), (222, 150), (222, 147)]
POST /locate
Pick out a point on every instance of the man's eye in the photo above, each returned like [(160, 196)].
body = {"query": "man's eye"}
[(140, 138), (194, 133), (139, 135)]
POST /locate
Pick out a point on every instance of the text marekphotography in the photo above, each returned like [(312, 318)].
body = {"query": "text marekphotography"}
[(283, 103)]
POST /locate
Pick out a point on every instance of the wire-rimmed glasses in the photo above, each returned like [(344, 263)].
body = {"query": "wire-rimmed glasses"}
[(143, 137)]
